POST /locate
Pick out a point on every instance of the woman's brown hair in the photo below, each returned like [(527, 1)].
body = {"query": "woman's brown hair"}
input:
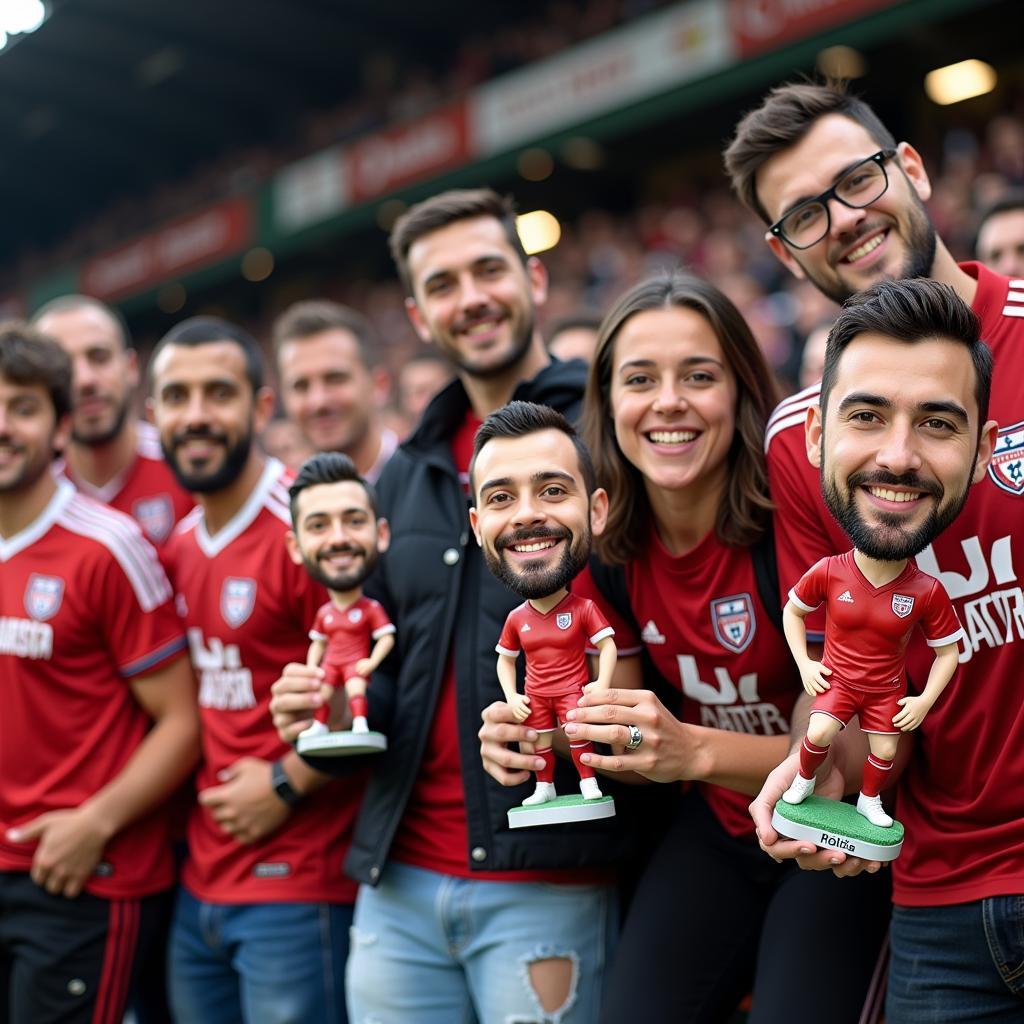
[(744, 514)]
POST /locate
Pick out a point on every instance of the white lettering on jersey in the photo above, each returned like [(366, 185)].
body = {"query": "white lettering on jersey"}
[(719, 707), (26, 638), (993, 619), (224, 683)]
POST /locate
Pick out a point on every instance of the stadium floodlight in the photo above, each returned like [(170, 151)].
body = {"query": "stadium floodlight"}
[(538, 231), (19, 17), (957, 82)]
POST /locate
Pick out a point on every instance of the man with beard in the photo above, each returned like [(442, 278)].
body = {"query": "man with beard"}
[(337, 536), (431, 846), (112, 457), (260, 929), (536, 509), (891, 506), (98, 723)]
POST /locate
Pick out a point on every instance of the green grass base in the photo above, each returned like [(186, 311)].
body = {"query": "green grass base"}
[(572, 800), (835, 816)]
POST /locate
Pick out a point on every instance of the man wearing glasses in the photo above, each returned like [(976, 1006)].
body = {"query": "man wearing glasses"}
[(844, 207)]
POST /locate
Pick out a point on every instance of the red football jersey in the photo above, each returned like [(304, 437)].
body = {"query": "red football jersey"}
[(84, 608), (964, 820), (350, 632), (867, 628), (147, 490), (555, 643), (704, 627), (248, 608)]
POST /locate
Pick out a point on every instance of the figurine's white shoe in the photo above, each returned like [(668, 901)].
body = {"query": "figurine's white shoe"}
[(315, 729), (799, 791), (359, 724), (544, 792), (871, 808), (590, 789)]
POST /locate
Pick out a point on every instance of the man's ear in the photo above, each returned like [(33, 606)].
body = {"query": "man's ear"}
[(383, 535), (813, 433), (784, 256), (292, 544), (474, 522), (913, 168), (598, 511), (986, 446), (412, 311)]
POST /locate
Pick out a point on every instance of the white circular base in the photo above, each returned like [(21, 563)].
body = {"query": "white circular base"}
[(829, 839), (342, 744), (561, 811)]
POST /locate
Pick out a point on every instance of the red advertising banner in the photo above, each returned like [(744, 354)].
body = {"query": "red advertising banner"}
[(186, 244), (760, 25), (395, 157)]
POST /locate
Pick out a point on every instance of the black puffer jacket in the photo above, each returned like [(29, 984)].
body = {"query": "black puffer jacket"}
[(435, 584)]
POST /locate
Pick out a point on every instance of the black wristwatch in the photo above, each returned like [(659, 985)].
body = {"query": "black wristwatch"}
[(282, 787)]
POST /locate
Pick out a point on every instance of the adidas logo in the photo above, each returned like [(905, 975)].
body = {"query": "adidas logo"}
[(526, 627), (650, 635), (845, 596)]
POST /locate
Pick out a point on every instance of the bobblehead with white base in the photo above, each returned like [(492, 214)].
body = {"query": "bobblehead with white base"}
[(536, 509), (338, 537)]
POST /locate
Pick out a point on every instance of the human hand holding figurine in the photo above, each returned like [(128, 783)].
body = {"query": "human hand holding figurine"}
[(338, 538)]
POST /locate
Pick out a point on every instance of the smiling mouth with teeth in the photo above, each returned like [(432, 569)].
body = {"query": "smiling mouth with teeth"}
[(672, 436), (862, 250), (889, 495), (540, 545)]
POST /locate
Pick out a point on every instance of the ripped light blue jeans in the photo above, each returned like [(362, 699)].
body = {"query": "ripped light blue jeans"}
[(436, 949)]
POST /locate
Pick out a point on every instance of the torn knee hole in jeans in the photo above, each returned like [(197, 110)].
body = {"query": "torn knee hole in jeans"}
[(551, 977)]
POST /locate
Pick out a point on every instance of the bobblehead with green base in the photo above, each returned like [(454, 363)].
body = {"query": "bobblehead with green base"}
[(834, 825), (562, 810)]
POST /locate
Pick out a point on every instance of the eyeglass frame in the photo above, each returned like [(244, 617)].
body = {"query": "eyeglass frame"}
[(882, 157)]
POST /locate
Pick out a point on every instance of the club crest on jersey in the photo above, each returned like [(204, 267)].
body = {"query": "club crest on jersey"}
[(43, 596), (237, 600), (563, 620), (902, 605), (1007, 466), (355, 614), (155, 515), (733, 622)]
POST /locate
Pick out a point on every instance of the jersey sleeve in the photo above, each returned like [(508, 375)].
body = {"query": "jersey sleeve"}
[(941, 625), (801, 530), (811, 589), (597, 626), (626, 639), (508, 643), (317, 631), (380, 624), (136, 611)]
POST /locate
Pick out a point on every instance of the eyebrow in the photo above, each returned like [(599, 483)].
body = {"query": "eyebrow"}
[(945, 408), (689, 361), (538, 478), (448, 271), (839, 176)]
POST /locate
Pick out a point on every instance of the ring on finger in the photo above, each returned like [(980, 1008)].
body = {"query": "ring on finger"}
[(636, 737)]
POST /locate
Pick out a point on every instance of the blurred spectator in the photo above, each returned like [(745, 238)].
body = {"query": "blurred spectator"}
[(812, 361), (283, 440), (419, 379), (575, 337), (1000, 242)]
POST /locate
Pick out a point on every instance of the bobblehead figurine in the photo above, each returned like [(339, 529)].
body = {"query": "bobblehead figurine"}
[(536, 510), (338, 537)]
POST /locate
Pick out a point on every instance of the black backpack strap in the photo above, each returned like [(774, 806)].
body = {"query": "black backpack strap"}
[(766, 572)]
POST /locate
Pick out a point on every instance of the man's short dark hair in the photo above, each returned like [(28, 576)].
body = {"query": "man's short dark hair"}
[(520, 419), (785, 116), (1010, 202), (70, 303), (441, 210), (205, 330), (310, 317), (912, 310), (27, 356), (327, 468)]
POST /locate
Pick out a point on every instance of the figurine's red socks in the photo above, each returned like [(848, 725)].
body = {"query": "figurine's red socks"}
[(578, 750), (875, 772), (547, 773), (358, 705), (811, 757)]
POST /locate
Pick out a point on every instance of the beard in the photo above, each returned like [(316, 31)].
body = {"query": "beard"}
[(208, 481), (344, 582), (891, 541), (522, 336), (32, 470), (536, 580), (107, 434), (921, 242)]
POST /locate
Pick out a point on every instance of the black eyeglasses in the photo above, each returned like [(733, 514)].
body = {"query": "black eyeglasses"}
[(808, 223)]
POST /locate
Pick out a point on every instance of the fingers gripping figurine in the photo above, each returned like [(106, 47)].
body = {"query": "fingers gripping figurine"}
[(536, 511), (338, 538)]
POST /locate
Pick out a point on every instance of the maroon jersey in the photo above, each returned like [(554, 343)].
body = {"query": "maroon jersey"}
[(867, 628), (248, 608), (702, 623), (147, 490), (84, 608), (555, 643), (964, 818), (350, 632)]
